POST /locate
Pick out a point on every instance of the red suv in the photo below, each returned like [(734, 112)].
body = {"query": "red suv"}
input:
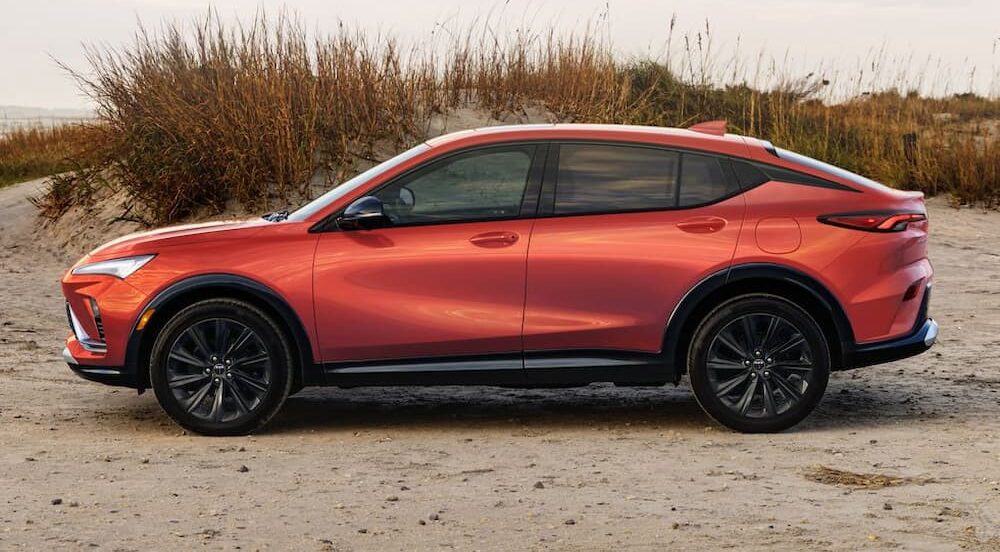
[(525, 256)]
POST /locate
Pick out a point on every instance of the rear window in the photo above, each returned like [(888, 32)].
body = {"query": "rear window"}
[(829, 169)]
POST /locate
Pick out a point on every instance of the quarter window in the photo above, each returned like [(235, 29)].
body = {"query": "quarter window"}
[(703, 180), (478, 185)]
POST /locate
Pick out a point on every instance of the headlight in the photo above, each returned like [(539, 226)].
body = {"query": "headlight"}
[(119, 268)]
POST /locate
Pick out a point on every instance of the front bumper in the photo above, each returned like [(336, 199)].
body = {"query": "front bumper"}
[(108, 375), (887, 351)]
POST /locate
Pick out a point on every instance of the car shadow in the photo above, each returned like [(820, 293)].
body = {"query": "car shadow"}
[(847, 404), (450, 407)]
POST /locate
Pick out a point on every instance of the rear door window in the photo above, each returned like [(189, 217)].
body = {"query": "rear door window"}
[(596, 178)]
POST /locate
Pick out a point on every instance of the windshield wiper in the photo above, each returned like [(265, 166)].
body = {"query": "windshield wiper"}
[(276, 216)]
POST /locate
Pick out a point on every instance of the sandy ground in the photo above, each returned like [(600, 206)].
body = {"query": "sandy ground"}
[(597, 468)]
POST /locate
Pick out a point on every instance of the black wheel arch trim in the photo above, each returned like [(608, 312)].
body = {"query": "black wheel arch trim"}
[(677, 324), (311, 372)]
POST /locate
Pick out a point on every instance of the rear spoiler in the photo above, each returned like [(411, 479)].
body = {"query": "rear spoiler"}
[(715, 128)]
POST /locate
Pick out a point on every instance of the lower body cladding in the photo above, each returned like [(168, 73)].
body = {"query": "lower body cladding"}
[(108, 375), (574, 368), (535, 369), (922, 336)]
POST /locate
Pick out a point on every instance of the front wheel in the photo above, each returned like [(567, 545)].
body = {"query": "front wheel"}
[(758, 364), (221, 367)]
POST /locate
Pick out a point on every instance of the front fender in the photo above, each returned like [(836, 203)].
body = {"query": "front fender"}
[(183, 292)]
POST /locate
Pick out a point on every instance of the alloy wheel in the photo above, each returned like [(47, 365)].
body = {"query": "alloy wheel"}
[(219, 370), (759, 365)]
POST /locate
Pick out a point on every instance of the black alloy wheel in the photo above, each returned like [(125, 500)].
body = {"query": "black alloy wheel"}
[(218, 369), (759, 364), (221, 367)]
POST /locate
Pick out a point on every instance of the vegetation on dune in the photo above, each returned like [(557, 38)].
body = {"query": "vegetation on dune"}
[(195, 120)]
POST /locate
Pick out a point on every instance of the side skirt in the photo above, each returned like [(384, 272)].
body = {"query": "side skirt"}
[(534, 369)]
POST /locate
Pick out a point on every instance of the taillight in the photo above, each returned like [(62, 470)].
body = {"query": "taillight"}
[(873, 222)]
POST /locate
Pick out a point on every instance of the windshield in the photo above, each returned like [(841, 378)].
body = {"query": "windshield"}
[(346, 188), (828, 168)]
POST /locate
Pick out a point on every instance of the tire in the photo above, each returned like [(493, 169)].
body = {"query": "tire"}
[(786, 361), (221, 367)]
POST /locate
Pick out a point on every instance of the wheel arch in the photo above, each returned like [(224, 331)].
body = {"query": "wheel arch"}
[(789, 283), (211, 286)]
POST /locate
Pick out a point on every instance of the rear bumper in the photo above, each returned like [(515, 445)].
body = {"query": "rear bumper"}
[(108, 375), (887, 351)]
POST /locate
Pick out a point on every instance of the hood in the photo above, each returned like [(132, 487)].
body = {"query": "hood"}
[(150, 241)]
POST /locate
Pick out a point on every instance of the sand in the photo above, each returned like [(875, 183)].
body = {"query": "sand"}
[(904, 455)]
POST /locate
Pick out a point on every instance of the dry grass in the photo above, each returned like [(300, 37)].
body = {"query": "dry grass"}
[(196, 120), (831, 476), (36, 152)]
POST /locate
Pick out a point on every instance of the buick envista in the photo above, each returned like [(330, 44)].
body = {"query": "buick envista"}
[(523, 256)]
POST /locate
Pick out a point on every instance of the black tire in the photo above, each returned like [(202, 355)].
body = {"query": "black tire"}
[(212, 391), (782, 354)]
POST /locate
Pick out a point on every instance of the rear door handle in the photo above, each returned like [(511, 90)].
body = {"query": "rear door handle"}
[(494, 239), (702, 225)]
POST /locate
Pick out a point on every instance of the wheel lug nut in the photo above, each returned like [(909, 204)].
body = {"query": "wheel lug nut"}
[(229, 374), (753, 374), (767, 374), (216, 380), (215, 358), (229, 362), (746, 363), (769, 360)]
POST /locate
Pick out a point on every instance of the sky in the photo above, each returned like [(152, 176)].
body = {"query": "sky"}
[(955, 44)]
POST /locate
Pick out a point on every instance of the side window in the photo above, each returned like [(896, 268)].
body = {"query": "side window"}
[(608, 178), (703, 180), (748, 175), (478, 185)]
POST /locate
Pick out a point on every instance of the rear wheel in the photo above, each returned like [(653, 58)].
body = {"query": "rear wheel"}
[(221, 367), (758, 364)]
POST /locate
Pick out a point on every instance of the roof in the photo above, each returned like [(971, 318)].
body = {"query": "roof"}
[(685, 138)]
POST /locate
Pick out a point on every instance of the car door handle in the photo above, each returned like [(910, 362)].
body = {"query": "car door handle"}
[(702, 225), (494, 239)]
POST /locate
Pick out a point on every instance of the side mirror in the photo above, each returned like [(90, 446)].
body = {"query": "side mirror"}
[(365, 213)]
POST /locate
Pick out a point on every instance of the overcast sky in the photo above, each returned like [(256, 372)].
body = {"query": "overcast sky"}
[(955, 35)]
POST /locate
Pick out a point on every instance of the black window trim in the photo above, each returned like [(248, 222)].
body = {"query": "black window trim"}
[(804, 178), (529, 199), (544, 170)]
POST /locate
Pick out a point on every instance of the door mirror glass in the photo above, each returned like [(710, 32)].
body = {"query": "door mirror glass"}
[(407, 199), (365, 213)]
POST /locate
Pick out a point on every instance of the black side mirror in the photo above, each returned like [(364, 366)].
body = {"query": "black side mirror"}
[(365, 213)]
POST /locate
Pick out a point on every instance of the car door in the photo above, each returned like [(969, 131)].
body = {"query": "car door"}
[(446, 278), (624, 231)]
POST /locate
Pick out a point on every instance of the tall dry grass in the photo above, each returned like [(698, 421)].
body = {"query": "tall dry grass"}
[(28, 153), (198, 118)]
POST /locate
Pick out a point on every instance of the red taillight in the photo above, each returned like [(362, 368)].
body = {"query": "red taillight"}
[(873, 222)]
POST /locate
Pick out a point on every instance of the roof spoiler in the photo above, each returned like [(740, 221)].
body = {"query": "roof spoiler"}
[(715, 128)]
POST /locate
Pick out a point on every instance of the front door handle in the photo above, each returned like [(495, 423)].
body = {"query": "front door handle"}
[(494, 239), (702, 225)]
